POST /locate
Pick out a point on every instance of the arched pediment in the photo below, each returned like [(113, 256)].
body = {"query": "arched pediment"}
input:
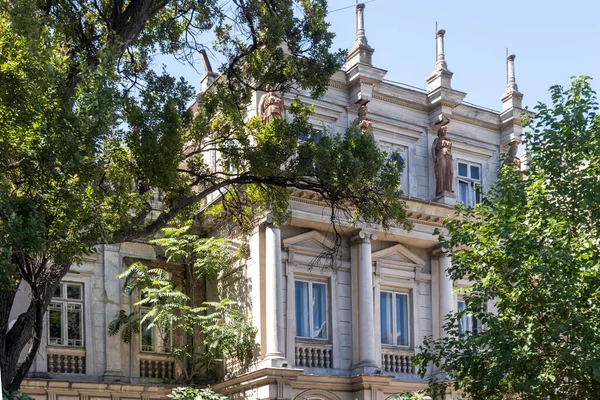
[(316, 394)]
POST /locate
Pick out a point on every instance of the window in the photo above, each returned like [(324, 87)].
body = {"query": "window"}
[(153, 339), (65, 316), (467, 322), (311, 310), (469, 183), (394, 319)]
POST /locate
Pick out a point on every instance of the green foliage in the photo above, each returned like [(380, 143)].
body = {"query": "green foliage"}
[(532, 250), (90, 133), (190, 393), (6, 395), (224, 329)]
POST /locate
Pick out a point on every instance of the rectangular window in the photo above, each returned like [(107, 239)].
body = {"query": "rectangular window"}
[(65, 316), (394, 319), (311, 310), (469, 183), (153, 339), (467, 323)]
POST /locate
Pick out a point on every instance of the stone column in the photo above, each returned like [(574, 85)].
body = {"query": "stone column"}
[(273, 296), (366, 320), (447, 303), (111, 258)]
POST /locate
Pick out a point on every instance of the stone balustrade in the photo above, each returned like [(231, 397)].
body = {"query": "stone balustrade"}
[(397, 361), (313, 355), (157, 367), (66, 360)]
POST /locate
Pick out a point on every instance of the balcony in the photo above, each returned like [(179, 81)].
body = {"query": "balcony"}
[(66, 360), (397, 361), (313, 355), (157, 366)]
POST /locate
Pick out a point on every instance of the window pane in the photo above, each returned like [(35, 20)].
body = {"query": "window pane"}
[(463, 193), (475, 172), (58, 291), (55, 323), (386, 318), (401, 320), (302, 327), (319, 299), (147, 336), (464, 320), (462, 170), (74, 325), (477, 194), (165, 340), (74, 292)]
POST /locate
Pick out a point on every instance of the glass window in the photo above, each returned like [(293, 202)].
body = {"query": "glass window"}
[(469, 183), (394, 310), (467, 323), (65, 316), (152, 338), (311, 318)]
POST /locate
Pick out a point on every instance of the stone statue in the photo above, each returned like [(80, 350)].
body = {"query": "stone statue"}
[(511, 157), (270, 106), (363, 122), (441, 151)]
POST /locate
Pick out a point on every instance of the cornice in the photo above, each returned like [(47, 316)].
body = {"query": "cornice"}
[(400, 102)]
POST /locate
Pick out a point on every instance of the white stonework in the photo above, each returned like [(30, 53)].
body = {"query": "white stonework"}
[(350, 361)]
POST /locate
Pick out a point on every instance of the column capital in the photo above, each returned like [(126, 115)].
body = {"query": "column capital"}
[(364, 237), (436, 252)]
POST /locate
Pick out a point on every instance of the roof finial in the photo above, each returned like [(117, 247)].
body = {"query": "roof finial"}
[(440, 60), (361, 37), (511, 81)]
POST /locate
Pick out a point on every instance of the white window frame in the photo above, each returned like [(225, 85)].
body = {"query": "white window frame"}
[(394, 322), (62, 304), (310, 311), (475, 185)]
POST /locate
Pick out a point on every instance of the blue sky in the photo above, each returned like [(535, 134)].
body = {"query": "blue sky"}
[(553, 40)]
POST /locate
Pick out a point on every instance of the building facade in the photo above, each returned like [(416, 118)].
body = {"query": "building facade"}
[(348, 332)]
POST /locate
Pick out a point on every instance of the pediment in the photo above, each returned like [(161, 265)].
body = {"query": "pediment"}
[(310, 242), (397, 255)]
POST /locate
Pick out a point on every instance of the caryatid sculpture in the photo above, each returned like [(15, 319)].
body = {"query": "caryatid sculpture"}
[(270, 106), (441, 151), (363, 122)]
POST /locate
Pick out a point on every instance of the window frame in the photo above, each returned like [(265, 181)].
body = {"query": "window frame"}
[(475, 186), (62, 303), (312, 337), (156, 337), (394, 343)]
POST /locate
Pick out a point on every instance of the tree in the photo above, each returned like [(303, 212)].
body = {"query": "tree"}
[(531, 249), (89, 133), (203, 332)]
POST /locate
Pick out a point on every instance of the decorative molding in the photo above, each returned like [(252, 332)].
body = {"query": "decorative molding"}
[(300, 243), (476, 122), (399, 102), (382, 255)]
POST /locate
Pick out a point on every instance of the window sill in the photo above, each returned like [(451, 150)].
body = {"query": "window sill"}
[(66, 350)]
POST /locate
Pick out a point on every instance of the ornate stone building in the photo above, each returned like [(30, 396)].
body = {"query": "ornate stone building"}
[(348, 333)]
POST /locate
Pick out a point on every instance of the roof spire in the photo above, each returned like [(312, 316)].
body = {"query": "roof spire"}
[(511, 81), (361, 52), (440, 60), (361, 37), (441, 75)]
